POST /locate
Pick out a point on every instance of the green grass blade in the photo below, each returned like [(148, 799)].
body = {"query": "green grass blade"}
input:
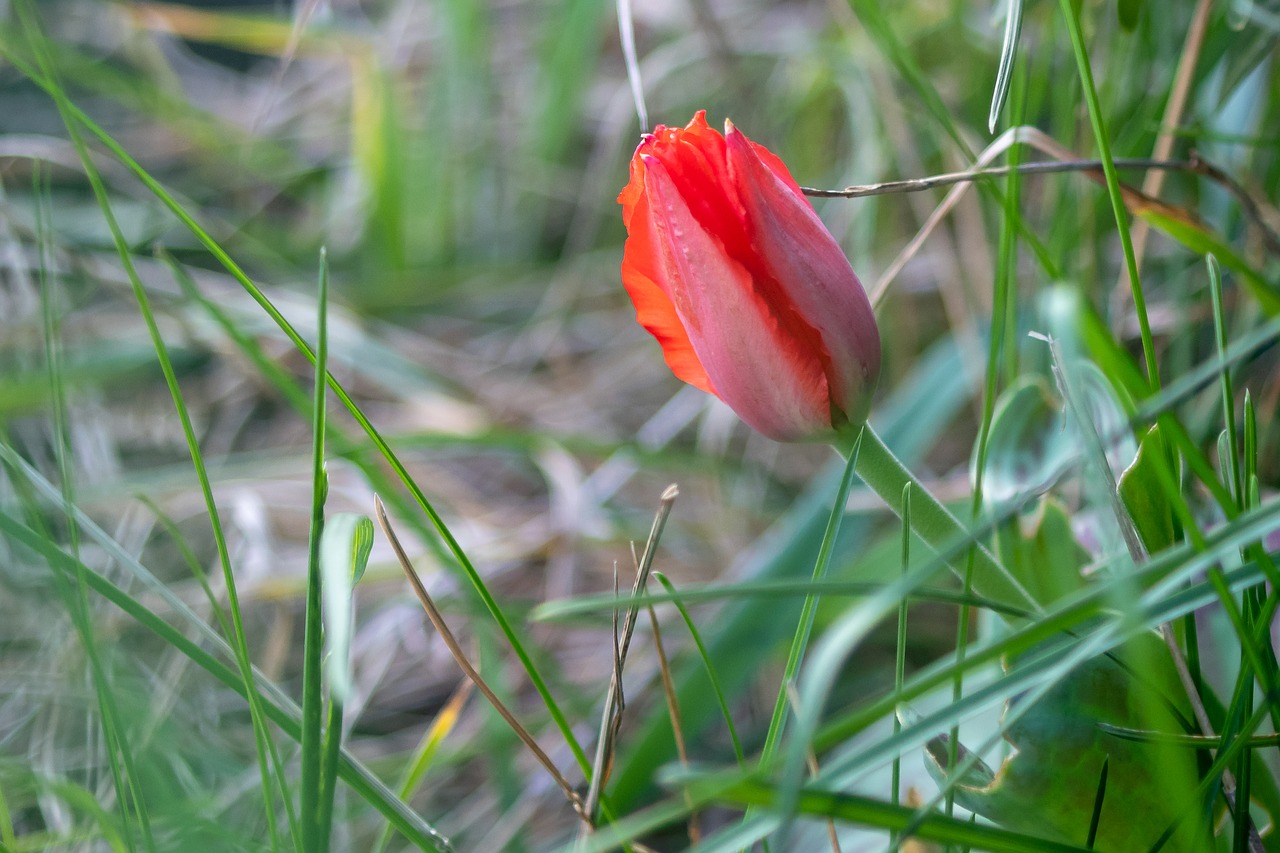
[(275, 704), (120, 758), (1072, 17), (716, 688), (313, 810), (1008, 56), (401, 472), (804, 627), (900, 653), (870, 812), (261, 734)]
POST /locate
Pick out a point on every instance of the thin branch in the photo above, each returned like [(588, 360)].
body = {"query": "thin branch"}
[(1135, 200), (455, 649), (1194, 165)]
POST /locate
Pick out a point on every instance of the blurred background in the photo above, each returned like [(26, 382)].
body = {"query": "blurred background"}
[(460, 160)]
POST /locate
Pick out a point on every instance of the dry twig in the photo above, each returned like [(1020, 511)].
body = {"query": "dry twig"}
[(455, 649), (611, 719)]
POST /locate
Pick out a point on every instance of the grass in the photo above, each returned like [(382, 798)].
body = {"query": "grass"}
[(205, 646)]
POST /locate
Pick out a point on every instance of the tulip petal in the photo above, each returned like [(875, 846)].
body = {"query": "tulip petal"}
[(654, 309), (778, 387), (820, 285)]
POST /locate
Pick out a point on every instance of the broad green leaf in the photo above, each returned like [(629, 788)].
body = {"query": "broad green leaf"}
[(1049, 785), (1143, 494), (1028, 449), (1042, 552)]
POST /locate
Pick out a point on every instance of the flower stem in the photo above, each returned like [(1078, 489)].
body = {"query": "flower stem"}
[(934, 523)]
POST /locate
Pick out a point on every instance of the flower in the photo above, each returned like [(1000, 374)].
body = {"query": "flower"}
[(750, 296)]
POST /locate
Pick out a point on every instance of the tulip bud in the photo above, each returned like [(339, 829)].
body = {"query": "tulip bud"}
[(750, 296)]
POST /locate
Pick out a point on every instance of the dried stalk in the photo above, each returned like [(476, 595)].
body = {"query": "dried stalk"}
[(611, 718), (455, 649)]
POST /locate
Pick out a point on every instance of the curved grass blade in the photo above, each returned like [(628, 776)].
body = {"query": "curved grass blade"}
[(678, 600), (1008, 56)]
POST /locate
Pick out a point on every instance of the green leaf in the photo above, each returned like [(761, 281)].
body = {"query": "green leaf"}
[(1049, 786), (1143, 494), (345, 545), (1043, 553), (1027, 449)]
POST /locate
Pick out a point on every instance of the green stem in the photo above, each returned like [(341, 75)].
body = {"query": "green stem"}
[(935, 525)]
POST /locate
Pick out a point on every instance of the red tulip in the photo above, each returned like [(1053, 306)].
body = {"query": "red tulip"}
[(750, 296)]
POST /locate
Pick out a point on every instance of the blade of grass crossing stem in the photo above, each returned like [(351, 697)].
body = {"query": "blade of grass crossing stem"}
[(313, 811), (716, 688), (900, 655), (804, 628), (75, 596), (1008, 56), (77, 117), (262, 737), (278, 707), (1113, 187)]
